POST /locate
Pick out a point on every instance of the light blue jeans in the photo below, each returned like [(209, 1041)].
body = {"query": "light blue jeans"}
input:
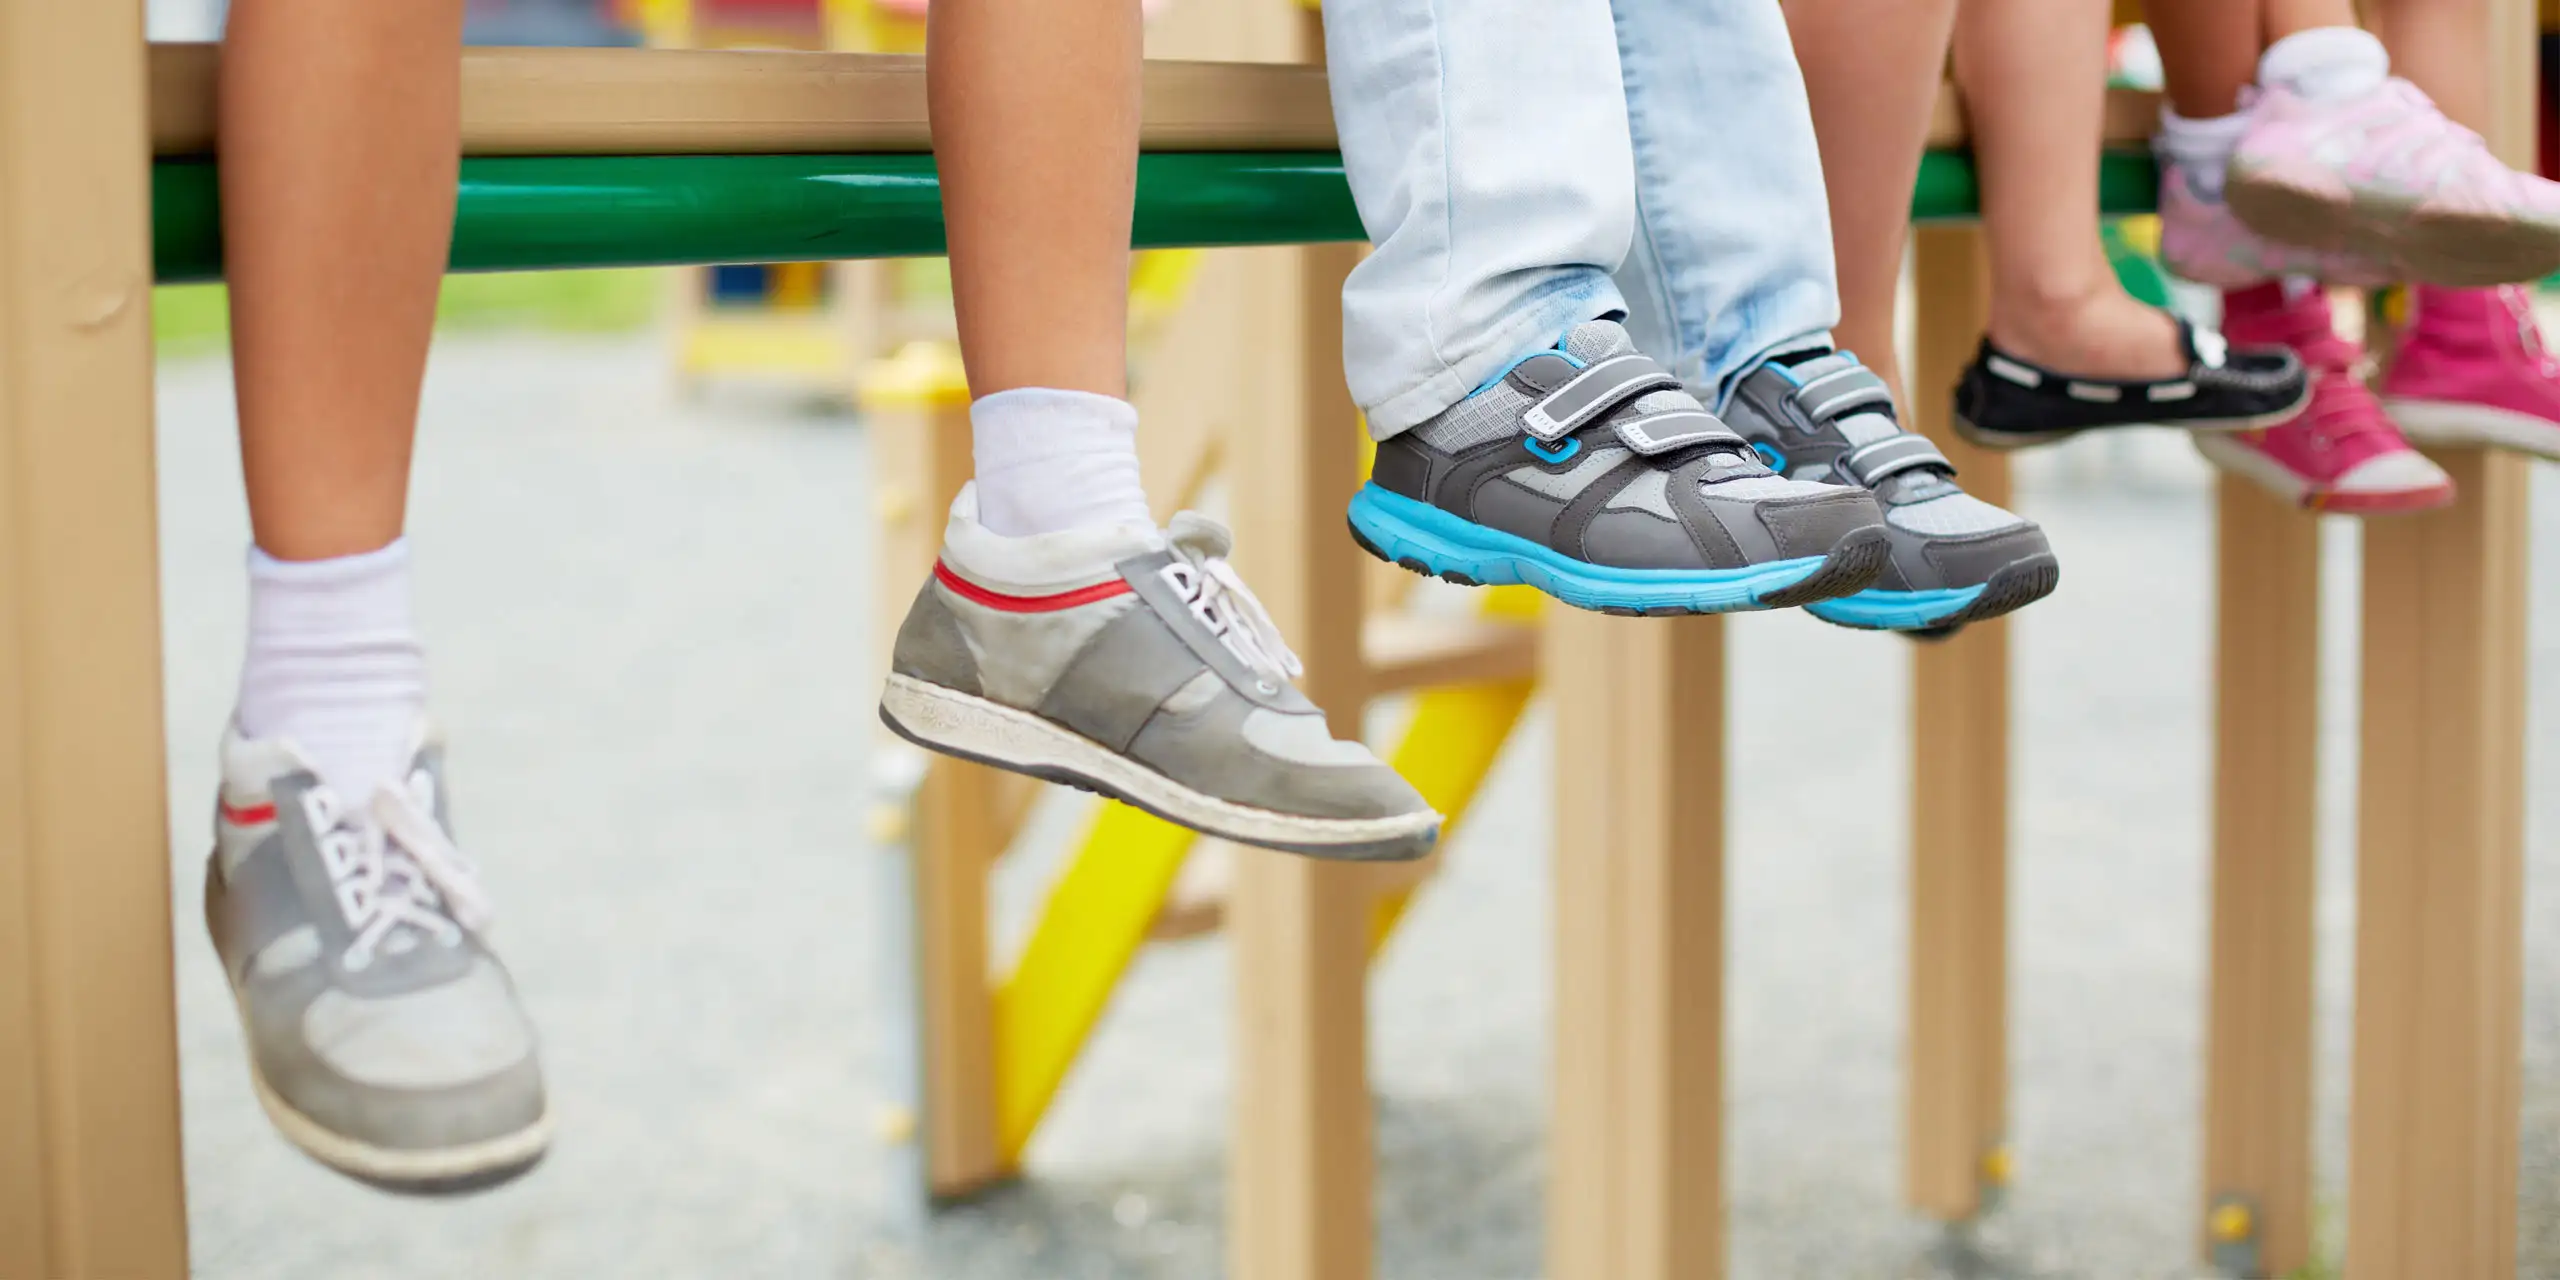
[(1525, 165)]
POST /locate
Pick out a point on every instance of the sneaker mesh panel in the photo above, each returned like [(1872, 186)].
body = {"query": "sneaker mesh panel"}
[(1953, 515)]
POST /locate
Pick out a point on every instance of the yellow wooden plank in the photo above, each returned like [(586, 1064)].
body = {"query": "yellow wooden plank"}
[(1451, 745), (1096, 917)]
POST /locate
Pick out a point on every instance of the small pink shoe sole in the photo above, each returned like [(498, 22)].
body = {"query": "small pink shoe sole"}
[(2443, 247), (2455, 422)]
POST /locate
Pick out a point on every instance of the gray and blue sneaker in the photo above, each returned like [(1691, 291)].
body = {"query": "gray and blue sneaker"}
[(384, 1037), (1955, 558), (1587, 472), (1134, 663)]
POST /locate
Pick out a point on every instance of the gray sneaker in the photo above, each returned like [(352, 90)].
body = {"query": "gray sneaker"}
[(1956, 559), (384, 1037), (1587, 472), (1134, 663)]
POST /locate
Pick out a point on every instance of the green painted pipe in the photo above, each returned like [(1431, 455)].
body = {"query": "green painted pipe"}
[(529, 213)]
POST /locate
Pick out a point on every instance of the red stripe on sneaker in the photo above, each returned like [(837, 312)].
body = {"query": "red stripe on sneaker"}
[(1028, 604), (248, 816)]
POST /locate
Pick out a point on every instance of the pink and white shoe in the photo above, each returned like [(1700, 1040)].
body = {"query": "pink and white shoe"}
[(2342, 454), (2203, 241), (2471, 369), (2384, 174)]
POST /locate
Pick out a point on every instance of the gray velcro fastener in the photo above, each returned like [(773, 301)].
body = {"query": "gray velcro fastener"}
[(1655, 433), (1594, 391), (1843, 391), (1891, 456), (261, 901)]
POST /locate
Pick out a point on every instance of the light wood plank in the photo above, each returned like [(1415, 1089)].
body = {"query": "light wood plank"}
[(2439, 935), (1957, 1107), (697, 101), (1635, 1181), (2258, 1027), (91, 1181), (2432, 1131)]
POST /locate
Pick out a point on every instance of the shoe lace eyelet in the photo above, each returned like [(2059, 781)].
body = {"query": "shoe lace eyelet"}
[(1266, 686)]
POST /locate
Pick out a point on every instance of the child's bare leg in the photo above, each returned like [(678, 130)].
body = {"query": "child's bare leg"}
[(2208, 52), (1062, 634), (1035, 129), (2441, 45), (340, 140), (339, 151), (1872, 69), (2032, 72), (2281, 18)]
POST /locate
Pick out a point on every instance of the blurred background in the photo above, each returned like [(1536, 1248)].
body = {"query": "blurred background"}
[(646, 538)]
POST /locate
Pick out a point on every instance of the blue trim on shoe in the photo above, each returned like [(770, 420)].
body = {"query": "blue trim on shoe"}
[(1881, 610), (1562, 451), (1445, 543)]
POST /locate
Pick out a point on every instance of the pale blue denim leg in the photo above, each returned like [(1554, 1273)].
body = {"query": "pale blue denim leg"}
[(1731, 262), (1486, 142)]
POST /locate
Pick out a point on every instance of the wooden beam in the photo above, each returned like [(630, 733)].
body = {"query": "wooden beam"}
[(2439, 932), (2258, 1027), (91, 1182), (695, 101), (1635, 1185), (2432, 1133), (1407, 651), (917, 407), (1956, 1114), (1299, 1180)]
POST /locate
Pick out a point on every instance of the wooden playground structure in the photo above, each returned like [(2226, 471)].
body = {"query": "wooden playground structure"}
[(774, 152)]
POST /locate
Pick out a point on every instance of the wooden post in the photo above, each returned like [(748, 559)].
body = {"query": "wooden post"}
[(2439, 941), (1299, 1179), (91, 1183), (1636, 1170), (2258, 1069), (918, 407), (1957, 1107), (2431, 1166)]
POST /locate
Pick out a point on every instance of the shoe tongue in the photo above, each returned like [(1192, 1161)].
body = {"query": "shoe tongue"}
[(1594, 340)]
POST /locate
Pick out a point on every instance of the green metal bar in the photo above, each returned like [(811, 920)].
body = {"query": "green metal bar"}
[(529, 213), (1949, 191)]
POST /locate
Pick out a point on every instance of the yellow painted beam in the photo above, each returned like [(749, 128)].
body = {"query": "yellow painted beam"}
[(1446, 753), (1095, 920)]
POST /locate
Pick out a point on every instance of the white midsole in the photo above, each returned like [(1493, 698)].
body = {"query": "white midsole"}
[(386, 1164), (990, 730), (2249, 464), (2453, 422)]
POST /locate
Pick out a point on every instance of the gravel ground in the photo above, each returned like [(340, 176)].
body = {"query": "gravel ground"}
[(647, 618)]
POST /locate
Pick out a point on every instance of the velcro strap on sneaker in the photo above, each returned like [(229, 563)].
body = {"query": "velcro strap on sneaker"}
[(1654, 433), (1872, 463), (1843, 391), (1597, 389)]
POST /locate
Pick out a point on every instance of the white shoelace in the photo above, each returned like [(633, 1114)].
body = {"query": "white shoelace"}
[(1218, 597), (395, 873)]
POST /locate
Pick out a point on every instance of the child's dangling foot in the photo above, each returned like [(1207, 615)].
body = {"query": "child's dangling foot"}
[(2342, 454), (2339, 155), (2471, 368)]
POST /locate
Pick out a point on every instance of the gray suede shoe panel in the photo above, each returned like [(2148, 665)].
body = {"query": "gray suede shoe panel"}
[(929, 644), (1638, 540), (1111, 689), (1206, 750)]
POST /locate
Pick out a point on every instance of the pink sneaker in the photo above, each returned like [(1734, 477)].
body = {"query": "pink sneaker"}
[(2201, 240), (2385, 175), (2342, 454), (2471, 369)]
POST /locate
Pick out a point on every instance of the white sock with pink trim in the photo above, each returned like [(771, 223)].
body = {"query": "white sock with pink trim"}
[(1048, 461)]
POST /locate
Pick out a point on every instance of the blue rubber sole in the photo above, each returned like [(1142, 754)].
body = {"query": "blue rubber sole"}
[(1428, 540), (1875, 609)]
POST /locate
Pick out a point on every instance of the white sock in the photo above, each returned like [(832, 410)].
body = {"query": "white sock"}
[(2325, 63), (1054, 460), (334, 664), (2200, 148)]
